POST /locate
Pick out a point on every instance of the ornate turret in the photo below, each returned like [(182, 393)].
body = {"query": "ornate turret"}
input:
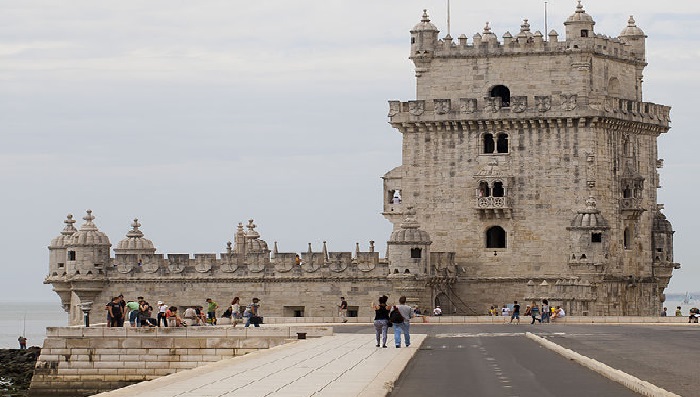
[(135, 243), (254, 245), (408, 249), (87, 249), (635, 37), (57, 248), (579, 25), (589, 233), (424, 39)]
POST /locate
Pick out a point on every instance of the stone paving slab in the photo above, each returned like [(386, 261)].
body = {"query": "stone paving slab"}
[(344, 365)]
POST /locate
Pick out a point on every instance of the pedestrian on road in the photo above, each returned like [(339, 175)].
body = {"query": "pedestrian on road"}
[(404, 325), (343, 309), (534, 312), (516, 313), (545, 311), (381, 319)]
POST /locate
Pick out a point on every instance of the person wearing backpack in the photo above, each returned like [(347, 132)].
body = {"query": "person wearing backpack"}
[(400, 316)]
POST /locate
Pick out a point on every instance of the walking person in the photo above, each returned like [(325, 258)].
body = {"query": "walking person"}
[(516, 313), (545, 311), (211, 311), (405, 313), (534, 312), (343, 309), (236, 310), (162, 308), (381, 319)]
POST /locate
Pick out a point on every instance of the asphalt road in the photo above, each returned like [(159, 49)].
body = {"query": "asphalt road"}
[(498, 360)]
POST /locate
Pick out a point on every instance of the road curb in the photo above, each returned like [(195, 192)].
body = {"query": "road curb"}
[(633, 383)]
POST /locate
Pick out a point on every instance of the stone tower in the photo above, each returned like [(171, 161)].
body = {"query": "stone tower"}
[(534, 160)]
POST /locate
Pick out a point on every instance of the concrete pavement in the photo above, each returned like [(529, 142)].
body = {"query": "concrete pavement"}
[(343, 365)]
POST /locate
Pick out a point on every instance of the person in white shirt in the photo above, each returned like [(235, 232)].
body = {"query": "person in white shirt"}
[(559, 313), (437, 311)]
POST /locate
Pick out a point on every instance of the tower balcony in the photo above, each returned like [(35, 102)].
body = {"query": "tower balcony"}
[(493, 207), (631, 208)]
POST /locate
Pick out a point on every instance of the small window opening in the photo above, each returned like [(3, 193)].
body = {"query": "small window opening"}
[(489, 144), (413, 40), (659, 250), (627, 239), (396, 271), (573, 256), (415, 253), (627, 193), (71, 255), (484, 190), (395, 196), (596, 237), (502, 143), (584, 33), (406, 271), (61, 265), (583, 256), (498, 190), (502, 92), (496, 237)]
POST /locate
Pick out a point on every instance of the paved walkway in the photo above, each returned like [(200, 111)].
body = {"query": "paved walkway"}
[(342, 365)]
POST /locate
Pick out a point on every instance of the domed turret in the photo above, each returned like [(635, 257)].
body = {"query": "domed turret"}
[(589, 217), (57, 248), (408, 248), (662, 237), (579, 25), (589, 238), (424, 38), (87, 249), (254, 245), (635, 37), (135, 243)]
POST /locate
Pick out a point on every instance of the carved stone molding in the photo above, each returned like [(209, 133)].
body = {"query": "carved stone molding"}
[(467, 105)]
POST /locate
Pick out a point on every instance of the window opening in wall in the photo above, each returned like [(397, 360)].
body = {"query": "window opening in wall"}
[(502, 143), (502, 92), (657, 250), (498, 189), (627, 193), (484, 190), (584, 33), (489, 144), (583, 256), (60, 265), (71, 255), (415, 253), (596, 237), (627, 239), (413, 40), (395, 196), (495, 237), (406, 271)]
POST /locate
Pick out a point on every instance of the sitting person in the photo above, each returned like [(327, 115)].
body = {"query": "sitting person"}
[(558, 313), (694, 314), (191, 316), (437, 311), (173, 319)]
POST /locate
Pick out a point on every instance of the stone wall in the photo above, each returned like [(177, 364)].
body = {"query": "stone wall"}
[(78, 361)]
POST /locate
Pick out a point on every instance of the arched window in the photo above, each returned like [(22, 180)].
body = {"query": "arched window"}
[(484, 190), (415, 253), (627, 239), (502, 143), (503, 92), (498, 190), (495, 237), (489, 144)]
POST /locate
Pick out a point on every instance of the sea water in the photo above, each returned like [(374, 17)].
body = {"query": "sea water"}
[(30, 319)]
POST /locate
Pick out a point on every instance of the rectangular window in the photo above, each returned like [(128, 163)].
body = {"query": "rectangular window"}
[(71, 255), (597, 237)]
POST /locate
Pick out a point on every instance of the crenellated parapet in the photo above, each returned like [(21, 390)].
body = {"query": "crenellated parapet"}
[(464, 113)]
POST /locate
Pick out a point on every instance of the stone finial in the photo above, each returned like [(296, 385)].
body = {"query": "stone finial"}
[(579, 7), (252, 234), (631, 22), (309, 250), (425, 16), (371, 246), (487, 29), (135, 232), (525, 27), (275, 251), (69, 229), (229, 247), (325, 252), (239, 230), (88, 225)]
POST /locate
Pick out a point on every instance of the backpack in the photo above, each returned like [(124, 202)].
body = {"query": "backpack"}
[(395, 316), (227, 313)]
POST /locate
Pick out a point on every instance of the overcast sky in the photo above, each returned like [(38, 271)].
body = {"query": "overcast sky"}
[(194, 116)]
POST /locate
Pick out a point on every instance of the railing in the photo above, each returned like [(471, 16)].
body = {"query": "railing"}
[(491, 202)]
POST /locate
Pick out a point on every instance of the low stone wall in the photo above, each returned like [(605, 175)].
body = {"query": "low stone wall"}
[(291, 321), (79, 361)]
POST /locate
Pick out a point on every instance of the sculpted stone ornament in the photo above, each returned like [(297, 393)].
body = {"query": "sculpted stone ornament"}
[(543, 103), (568, 102), (338, 261), (123, 265), (394, 108), (493, 104), (149, 264), (442, 106), (416, 108), (518, 104), (202, 264), (228, 263), (312, 262), (176, 264), (255, 263), (467, 105)]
